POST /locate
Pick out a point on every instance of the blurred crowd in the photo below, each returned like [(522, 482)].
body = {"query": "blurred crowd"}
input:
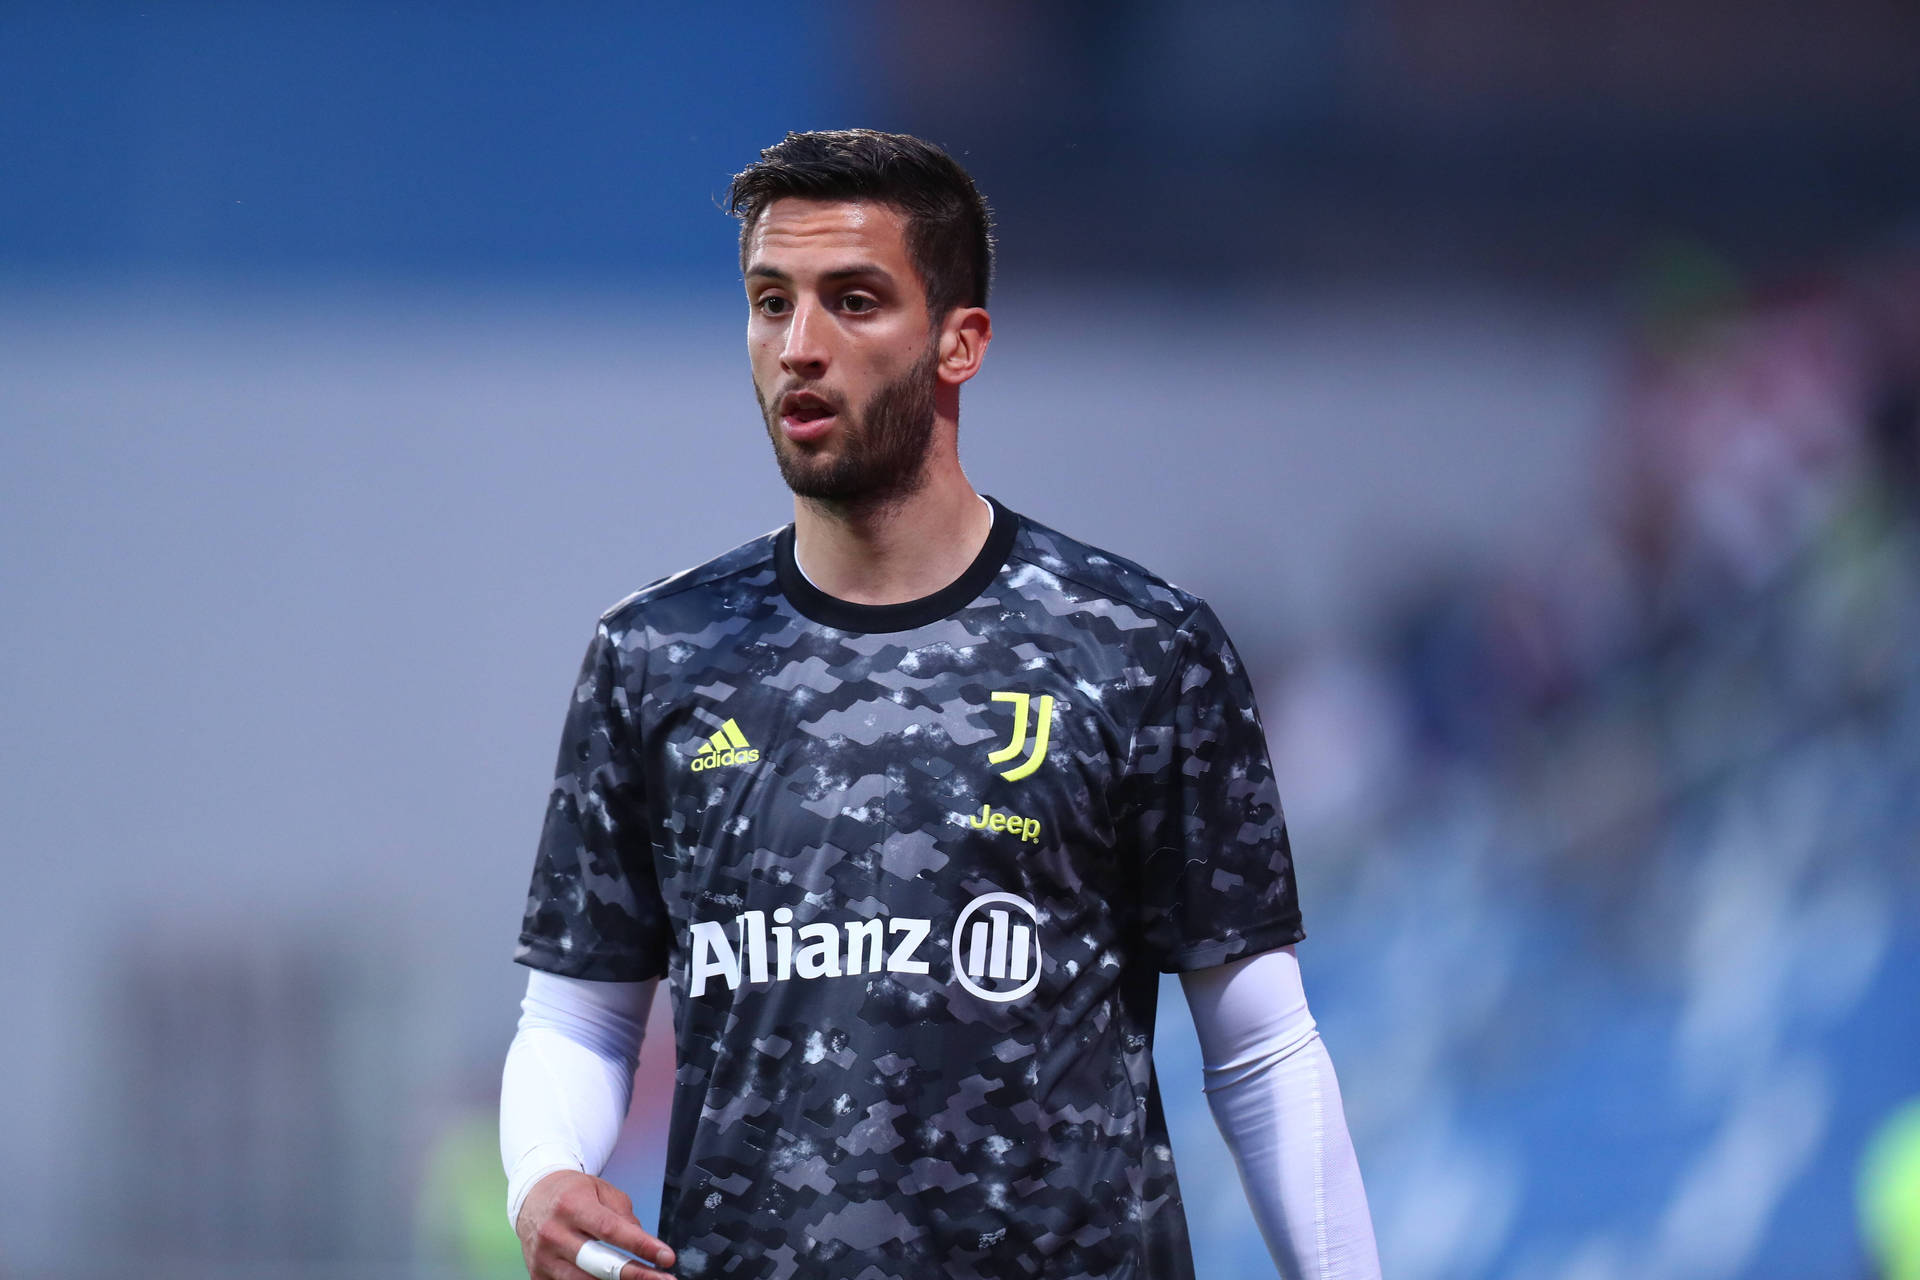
[(1608, 849)]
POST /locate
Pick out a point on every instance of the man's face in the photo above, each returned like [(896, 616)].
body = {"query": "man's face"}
[(843, 354)]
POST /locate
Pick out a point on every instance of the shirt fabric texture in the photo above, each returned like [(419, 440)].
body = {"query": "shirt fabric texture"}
[(911, 872)]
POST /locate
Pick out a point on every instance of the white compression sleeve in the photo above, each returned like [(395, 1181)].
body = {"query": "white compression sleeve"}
[(1273, 1093), (569, 1077)]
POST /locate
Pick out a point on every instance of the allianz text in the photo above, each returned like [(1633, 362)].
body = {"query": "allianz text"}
[(780, 953)]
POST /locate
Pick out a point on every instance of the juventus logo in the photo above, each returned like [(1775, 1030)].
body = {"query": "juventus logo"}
[(1022, 703), (996, 947)]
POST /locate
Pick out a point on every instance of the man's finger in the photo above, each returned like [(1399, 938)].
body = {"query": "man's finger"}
[(634, 1271), (571, 1269), (628, 1234)]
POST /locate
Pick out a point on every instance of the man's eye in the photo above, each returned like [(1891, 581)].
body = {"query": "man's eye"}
[(772, 305), (858, 303)]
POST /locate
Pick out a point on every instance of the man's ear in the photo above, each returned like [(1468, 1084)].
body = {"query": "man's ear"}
[(964, 336)]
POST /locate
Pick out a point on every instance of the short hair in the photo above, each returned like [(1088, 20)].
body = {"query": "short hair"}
[(949, 228)]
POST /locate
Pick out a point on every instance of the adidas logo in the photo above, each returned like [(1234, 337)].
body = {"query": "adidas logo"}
[(729, 746)]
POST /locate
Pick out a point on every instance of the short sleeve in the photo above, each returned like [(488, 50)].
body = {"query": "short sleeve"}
[(1201, 814), (594, 908)]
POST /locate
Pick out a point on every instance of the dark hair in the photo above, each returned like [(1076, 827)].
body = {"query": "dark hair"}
[(949, 230)]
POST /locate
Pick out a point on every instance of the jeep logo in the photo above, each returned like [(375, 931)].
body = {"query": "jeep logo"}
[(1028, 829)]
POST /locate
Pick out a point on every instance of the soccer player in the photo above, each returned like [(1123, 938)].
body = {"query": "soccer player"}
[(910, 802)]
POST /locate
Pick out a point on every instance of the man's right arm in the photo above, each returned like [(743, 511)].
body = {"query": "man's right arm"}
[(563, 1096)]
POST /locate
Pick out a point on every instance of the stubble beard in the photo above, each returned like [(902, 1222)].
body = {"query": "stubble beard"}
[(884, 447)]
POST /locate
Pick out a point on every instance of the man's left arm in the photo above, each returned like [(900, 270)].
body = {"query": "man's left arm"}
[(1217, 904), (1273, 1093)]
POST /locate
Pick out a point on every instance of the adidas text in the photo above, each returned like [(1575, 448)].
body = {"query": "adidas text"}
[(719, 758)]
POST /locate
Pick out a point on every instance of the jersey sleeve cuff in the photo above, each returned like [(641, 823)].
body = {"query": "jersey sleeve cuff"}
[(595, 966), (1207, 953)]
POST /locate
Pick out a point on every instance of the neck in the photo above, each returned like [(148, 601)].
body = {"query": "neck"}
[(902, 549)]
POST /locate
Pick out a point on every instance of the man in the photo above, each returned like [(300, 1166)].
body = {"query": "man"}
[(911, 802)]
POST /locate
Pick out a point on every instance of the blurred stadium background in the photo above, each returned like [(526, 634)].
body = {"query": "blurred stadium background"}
[(1531, 387)]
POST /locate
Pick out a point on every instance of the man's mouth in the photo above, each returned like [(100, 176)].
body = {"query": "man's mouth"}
[(806, 416)]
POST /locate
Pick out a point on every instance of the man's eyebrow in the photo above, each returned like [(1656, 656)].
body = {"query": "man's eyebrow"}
[(760, 270), (857, 269)]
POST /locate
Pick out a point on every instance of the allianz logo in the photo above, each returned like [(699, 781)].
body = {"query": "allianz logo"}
[(996, 948)]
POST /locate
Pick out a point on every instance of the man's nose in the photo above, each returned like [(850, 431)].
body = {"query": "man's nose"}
[(805, 352)]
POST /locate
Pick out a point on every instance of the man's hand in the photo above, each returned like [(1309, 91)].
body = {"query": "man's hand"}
[(564, 1210)]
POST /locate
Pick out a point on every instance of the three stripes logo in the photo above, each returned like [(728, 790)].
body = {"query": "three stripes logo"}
[(1022, 708), (996, 947), (728, 746)]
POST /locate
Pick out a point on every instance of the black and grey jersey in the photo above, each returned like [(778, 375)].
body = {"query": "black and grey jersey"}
[(911, 872)]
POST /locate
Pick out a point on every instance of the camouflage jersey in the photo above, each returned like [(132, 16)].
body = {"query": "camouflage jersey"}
[(911, 872)]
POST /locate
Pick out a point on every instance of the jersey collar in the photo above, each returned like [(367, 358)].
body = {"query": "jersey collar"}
[(845, 615)]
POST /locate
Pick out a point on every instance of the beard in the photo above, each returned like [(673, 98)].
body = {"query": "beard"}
[(883, 448)]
